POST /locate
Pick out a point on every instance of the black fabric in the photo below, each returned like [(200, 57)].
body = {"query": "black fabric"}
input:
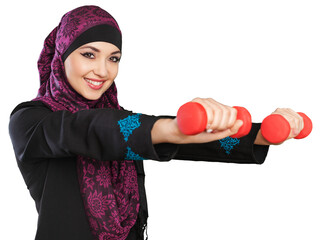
[(103, 32), (246, 152), (38, 133), (46, 144)]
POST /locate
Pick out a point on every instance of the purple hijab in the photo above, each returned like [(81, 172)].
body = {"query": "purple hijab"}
[(109, 189)]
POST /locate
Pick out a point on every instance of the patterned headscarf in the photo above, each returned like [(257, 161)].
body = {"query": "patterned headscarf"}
[(109, 188)]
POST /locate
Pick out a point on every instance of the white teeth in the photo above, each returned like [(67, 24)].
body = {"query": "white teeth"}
[(94, 82)]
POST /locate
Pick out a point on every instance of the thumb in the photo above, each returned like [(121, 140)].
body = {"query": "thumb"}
[(235, 128)]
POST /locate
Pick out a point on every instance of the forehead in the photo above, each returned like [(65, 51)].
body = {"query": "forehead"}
[(103, 47)]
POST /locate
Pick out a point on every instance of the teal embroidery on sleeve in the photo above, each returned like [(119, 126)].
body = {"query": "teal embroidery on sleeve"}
[(133, 156), (229, 143), (128, 124)]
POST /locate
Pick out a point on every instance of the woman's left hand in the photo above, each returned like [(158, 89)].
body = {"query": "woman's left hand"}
[(294, 119)]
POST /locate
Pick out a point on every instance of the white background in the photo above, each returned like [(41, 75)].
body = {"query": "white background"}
[(257, 54)]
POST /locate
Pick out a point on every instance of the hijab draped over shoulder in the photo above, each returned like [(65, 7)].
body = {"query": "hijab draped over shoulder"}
[(109, 188)]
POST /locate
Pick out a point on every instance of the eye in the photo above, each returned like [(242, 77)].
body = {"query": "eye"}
[(115, 59), (88, 55)]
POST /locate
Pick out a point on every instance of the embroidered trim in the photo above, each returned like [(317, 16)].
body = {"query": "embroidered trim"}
[(229, 143), (133, 156), (128, 124)]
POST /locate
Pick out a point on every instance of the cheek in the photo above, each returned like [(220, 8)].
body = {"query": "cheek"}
[(114, 72), (75, 69), (68, 68), (78, 69)]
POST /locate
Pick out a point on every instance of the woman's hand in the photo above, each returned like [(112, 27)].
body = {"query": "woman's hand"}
[(293, 118), (222, 122)]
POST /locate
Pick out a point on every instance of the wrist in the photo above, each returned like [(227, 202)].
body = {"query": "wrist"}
[(260, 140), (163, 131)]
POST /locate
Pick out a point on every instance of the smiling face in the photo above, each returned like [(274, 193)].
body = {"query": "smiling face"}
[(92, 68)]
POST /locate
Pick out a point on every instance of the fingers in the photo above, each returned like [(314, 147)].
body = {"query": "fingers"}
[(217, 135), (219, 117), (294, 119)]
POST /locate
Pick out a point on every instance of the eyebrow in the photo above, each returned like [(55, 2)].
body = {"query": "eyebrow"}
[(97, 50)]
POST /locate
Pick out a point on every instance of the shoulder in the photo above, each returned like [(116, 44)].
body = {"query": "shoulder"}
[(27, 115), (37, 105)]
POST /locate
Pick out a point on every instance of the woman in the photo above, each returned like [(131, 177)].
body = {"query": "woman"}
[(80, 152)]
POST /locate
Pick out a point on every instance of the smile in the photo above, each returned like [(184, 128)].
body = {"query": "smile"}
[(94, 84)]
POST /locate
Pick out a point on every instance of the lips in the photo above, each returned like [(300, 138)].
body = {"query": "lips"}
[(95, 84)]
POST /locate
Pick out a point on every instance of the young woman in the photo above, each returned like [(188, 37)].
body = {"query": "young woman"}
[(80, 153)]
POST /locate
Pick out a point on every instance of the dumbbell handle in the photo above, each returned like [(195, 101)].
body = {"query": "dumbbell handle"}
[(192, 119), (276, 129)]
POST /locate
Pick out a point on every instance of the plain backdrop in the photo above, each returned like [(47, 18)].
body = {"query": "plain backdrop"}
[(257, 54)]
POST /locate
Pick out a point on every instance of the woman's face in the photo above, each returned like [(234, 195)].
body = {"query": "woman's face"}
[(92, 68)]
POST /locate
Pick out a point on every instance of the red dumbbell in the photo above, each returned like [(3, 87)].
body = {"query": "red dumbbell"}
[(276, 129), (192, 119)]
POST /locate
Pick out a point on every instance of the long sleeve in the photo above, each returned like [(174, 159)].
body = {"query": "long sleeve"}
[(229, 150), (242, 150), (105, 134)]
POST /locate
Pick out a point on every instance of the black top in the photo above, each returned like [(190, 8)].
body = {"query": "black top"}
[(46, 144)]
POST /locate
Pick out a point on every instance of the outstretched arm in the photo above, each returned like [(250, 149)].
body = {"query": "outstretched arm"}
[(222, 123)]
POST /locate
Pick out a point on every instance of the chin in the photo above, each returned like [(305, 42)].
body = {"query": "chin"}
[(93, 98)]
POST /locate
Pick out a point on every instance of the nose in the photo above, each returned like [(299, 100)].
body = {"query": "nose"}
[(101, 69)]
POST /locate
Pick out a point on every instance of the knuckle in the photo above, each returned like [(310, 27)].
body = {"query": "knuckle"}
[(218, 111), (300, 121), (233, 112), (291, 121)]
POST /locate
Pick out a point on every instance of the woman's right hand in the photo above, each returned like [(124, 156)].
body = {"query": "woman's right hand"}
[(221, 123)]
